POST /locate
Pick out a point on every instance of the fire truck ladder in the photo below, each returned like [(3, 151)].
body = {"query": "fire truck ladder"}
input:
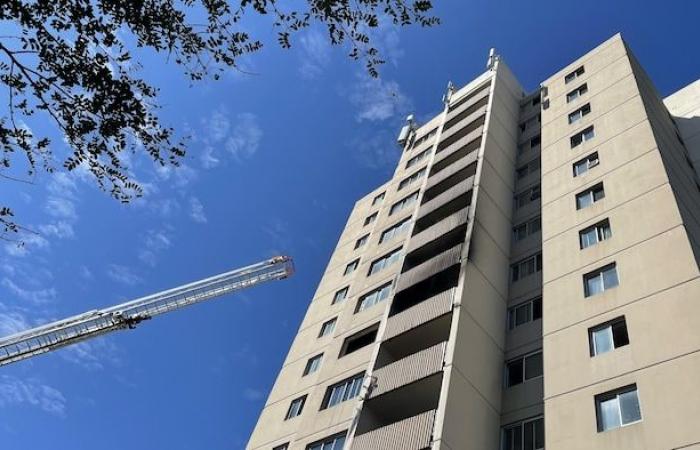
[(127, 315)]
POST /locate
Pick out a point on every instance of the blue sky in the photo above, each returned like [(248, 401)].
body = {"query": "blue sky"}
[(275, 164)]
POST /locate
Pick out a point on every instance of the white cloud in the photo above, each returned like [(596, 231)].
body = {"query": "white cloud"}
[(36, 296), (15, 391), (244, 140), (29, 242), (377, 99), (123, 274), (92, 355), (61, 207), (253, 395), (155, 242), (197, 210), (218, 125), (12, 321), (85, 273), (315, 54), (207, 158), (60, 229)]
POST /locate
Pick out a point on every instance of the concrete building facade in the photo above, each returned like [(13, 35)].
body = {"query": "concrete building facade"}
[(527, 278)]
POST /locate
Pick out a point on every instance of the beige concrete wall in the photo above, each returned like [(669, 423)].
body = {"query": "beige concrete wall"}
[(645, 192)]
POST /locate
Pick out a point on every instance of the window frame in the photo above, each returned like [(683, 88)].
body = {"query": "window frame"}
[(351, 388), (302, 403), (378, 198), (594, 351), (600, 273), (601, 230), (597, 189), (404, 203), (418, 158), (591, 160), (522, 359), (333, 440), (579, 113), (371, 218), (370, 330), (407, 181), (383, 292), (516, 271), (512, 318), (354, 264), (344, 291), (582, 136), (312, 364), (361, 241), (393, 230), (574, 74), (521, 424), (384, 261), (615, 394), (579, 91), (328, 325)]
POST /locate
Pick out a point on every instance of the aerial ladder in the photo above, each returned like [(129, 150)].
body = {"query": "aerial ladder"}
[(127, 315)]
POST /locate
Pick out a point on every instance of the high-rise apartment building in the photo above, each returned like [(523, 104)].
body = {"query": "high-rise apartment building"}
[(528, 277)]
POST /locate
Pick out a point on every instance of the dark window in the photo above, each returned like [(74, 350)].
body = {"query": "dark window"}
[(526, 267), (578, 114), (600, 280), (343, 391), (582, 136), (359, 340), (526, 435), (590, 196), (378, 199), (575, 74), (295, 408), (340, 295), (362, 241), (523, 368), (576, 93), (608, 336), (595, 233), (618, 408), (371, 218), (336, 442), (524, 313)]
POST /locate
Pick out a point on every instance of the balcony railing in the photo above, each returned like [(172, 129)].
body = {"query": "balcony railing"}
[(413, 433), (430, 267), (421, 313), (444, 197), (409, 369)]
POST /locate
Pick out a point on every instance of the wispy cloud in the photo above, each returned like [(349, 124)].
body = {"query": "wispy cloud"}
[(32, 392), (60, 229), (377, 151), (12, 321), (155, 242), (35, 296), (92, 355), (244, 140), (197, 210), (123, 274), (315, 52), (253, 395), (377, 99), (239, 136)]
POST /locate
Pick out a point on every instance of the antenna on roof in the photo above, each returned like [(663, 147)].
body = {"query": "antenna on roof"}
[(493, 57), (406, 130)]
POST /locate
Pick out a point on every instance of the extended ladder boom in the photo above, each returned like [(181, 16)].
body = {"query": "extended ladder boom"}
[(126, 315)]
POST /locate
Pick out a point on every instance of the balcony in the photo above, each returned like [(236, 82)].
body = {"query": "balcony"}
[(476, 106), (413, 433), (429, 268), (442, 227), (445, 159), (445, 197), (467, 100), (409, 369), (465, 134)]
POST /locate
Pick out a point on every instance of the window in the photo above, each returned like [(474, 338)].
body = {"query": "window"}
[(526, 267), (536, 101), (583, 165), (359, 340), (418, 158), (523, 313), (531, 167), (284, 446), (403, 203), (535, 141), (600, 280), (362, 241), (576, 93), (373, 297), (295, 408), (424, 138), (608, 336), (594, 234), (378, 198), (384, 261), (590, 196), (618, 408), (411, 178), (327, 327), (371, 218), (582, 136), (529, 122), (395, 230), (340, 295), (351, 267), (524, 368), (526, 435), (528, 228), (331, 443), (527, 196), (313, 364), (345, 390), (577, 115), (575, 74)]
